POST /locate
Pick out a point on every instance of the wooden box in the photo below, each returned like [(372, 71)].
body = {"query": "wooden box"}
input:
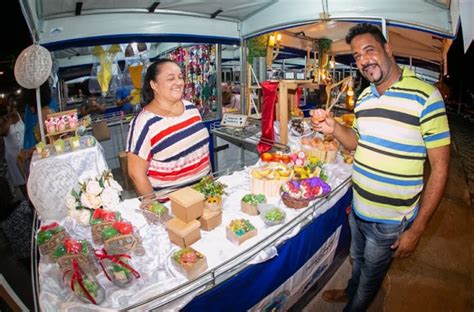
[(187, 204), (190, 270), (210, 220), (183, 234)]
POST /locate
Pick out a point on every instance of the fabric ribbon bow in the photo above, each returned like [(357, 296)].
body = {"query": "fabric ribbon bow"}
[(77, 276), (116, 259)]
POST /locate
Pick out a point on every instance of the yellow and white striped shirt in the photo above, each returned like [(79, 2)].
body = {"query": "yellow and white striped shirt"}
[(394, 130)]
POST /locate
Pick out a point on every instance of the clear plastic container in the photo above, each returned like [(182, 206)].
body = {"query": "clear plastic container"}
[(271, 215)]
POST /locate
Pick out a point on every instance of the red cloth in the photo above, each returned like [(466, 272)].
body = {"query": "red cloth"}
[(270, 97), (298, 112)]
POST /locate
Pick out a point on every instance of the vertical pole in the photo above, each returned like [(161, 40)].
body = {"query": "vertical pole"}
[(40, 115), (384, 29), (219, 80), (243, 77)]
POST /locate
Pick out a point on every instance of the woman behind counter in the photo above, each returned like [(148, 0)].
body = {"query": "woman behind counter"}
[(168, 144)]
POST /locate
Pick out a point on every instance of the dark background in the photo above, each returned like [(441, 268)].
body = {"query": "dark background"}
[(16, 37)]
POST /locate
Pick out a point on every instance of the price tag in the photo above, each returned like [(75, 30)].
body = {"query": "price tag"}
[(234, 120)]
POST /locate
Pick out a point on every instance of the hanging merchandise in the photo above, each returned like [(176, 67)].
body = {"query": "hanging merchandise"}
[(116, 74), (136, 63), (198, 64), (105, 73)]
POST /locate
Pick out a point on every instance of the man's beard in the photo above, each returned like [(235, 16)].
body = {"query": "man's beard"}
[(371, 77)]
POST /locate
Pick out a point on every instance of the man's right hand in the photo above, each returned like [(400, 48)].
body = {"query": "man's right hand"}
[(323, 121)]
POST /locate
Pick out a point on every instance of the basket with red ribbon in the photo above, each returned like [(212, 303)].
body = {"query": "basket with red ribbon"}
[(80, 251), (117, 268), (83, 283)]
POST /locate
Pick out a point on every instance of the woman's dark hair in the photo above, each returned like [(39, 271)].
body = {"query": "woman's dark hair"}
[(365, 28), (151, 73)]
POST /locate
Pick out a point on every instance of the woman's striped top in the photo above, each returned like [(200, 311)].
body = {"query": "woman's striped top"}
[(394, 130), (176, 148)]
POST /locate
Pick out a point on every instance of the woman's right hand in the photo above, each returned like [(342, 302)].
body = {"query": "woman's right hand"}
[(323, 121)]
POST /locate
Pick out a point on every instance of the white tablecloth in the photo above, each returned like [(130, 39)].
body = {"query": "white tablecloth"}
[(87, 161), (157, 272), (51, 178)]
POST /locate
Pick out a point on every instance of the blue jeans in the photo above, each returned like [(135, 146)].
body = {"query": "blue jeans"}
[(371, 257)]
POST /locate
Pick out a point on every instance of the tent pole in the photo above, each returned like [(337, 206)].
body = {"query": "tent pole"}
[(40, 115), (384, 29)]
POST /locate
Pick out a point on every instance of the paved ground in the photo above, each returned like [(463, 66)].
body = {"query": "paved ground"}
[(463, 134), (440, 275)]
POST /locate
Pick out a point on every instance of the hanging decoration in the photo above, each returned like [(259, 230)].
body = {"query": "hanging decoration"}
[(33, 66), (104, 73), (136, 62), (198, 64)]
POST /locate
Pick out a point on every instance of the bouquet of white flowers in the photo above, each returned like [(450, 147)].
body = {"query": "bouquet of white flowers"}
[(100, 192)]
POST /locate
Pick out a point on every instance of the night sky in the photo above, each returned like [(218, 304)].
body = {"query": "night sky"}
[(15, 37)]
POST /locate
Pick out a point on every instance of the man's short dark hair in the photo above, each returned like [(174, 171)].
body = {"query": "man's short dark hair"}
[(365, 28)]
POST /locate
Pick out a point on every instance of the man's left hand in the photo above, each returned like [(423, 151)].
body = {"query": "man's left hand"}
[(406, 244)]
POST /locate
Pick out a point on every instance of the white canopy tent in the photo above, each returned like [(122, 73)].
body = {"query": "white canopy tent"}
[(416, 28), (61, 22)]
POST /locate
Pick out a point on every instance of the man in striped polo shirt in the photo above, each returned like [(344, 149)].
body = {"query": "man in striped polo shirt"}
[(400, 120)]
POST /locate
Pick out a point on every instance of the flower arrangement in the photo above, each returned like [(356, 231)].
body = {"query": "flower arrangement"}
[(99, 192), (213, 191), (210, 187)]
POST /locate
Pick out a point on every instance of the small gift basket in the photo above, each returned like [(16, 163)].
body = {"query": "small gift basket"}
[(120, 238), (271, 215), (325, 149), (298, 193), (117, 268), (101, 219), (83, 283), (249, 203), (79, 251), (239, 230), (189, 262), (213, 190), (154, 211), (49, 238)]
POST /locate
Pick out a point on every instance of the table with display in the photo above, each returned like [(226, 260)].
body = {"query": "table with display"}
[(302, 250), (51, 177)]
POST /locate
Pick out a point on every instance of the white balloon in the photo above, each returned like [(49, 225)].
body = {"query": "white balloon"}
[(48, 186), (33, 66)]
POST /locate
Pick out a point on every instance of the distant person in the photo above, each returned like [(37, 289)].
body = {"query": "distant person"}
[(12, 104), (92, 104), (12, 129), (48, 106), (124, 96)]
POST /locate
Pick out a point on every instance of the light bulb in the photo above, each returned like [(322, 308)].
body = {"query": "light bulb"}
[(278, 37), (350, 91), (271, 41)]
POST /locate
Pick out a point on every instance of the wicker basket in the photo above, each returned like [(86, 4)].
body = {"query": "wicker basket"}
[(294, 203)]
